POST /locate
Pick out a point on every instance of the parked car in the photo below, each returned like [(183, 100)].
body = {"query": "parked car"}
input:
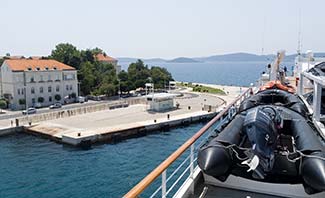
[(56, 105), (29, 111), (81, 99)]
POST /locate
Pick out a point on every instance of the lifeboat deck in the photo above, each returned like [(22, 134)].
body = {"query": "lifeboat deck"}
[(210, 191)]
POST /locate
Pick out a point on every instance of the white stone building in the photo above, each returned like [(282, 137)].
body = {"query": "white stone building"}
[(39, 82)]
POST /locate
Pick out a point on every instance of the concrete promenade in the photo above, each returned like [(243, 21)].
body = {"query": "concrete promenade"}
[(107, 121), (134, 119)]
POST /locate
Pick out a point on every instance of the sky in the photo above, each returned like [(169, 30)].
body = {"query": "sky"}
[(162, 28)]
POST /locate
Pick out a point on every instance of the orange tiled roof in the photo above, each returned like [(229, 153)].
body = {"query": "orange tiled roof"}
[(34, 64), (102, 57)]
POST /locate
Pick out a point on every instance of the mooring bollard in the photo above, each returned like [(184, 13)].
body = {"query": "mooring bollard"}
[(155, 121), (189, 107), (79, 134), (168, 116)]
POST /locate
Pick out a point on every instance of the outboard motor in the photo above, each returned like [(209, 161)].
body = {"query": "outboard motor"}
[(261, 126)]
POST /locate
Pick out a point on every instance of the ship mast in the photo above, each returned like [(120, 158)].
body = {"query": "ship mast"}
[(275, 67)]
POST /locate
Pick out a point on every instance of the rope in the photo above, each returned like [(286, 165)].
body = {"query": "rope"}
[(249, 149)]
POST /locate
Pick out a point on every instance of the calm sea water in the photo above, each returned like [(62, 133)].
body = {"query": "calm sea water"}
[(222, 73), (34, 167)]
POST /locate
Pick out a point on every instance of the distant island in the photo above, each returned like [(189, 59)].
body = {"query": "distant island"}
[(183, 60), (233, 57)]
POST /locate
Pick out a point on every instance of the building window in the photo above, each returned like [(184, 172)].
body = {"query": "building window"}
[(41, 89), (33, 100), (32, 79), (18, 91), (32, 91), (49, 89), (57, 88), (50, 99), (22, 91), (67, 87), (69, 77), (50, 77), (41, 78), (57, 77), (70, 87)]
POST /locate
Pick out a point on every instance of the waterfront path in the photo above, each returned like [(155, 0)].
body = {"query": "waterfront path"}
[(103, 122), (134, 115)]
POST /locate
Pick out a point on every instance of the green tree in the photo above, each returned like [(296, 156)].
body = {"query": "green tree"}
[(67, 54), (87, 56), (97, 50), (106, 89), (160, 76), (138, 74), (86, 76), (125, 84), (3, 104)]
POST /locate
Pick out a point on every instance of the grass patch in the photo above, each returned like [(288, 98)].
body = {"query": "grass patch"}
[(202, 89)]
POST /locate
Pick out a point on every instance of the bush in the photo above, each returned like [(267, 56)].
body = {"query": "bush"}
[(3, 104), (57, 97)]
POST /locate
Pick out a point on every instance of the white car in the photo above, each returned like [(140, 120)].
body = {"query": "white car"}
[(29, 111), (81, 99), (56, 105)]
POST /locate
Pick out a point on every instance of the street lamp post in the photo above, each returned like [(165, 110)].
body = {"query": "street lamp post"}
[(79, 88), (119, 88)]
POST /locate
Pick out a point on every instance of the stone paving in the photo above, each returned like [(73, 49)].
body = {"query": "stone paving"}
[(124, 116), (134, 115)]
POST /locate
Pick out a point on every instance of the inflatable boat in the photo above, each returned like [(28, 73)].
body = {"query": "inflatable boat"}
[(271, 139)]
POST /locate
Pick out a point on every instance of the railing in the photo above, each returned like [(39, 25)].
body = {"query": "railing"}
[(161, 170)]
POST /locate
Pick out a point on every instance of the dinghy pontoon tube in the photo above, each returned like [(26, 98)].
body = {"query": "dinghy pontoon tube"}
[(273, 137)]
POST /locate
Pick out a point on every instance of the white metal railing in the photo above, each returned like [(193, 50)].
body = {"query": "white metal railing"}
[(223, 117)]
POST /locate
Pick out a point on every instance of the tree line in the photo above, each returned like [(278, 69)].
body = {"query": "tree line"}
[(98, 78)]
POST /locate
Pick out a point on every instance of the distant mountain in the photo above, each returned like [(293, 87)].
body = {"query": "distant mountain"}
[(226, 57), (183, 60), (235, 57), (126, 59), (155, 60)]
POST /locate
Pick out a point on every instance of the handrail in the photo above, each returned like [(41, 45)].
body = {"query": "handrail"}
[(145, 182)]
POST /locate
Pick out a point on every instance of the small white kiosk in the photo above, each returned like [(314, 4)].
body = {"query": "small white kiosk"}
[(161, 101), (172, 85)]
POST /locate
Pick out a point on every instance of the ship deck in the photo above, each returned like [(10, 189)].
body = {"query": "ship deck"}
[(210, 191)]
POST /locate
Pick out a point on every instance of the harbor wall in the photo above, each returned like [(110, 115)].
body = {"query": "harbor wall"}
[(10, 130), (137, 131)]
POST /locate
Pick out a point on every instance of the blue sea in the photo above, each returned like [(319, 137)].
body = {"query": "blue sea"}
[(221, 73), (35, 167)]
